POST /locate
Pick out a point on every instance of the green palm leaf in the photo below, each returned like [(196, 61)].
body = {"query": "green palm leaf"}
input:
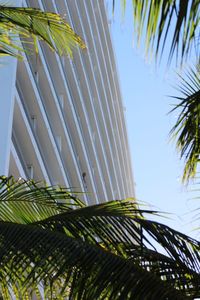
[(36, 255), (123, 231), (27, 201), (32, 22), (105, 251), (167, 22), (186, 131)]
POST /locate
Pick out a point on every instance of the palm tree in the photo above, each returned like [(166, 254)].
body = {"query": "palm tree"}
[(53, 246), (175, 25), (39, 25), (187, 128), (167, 22)]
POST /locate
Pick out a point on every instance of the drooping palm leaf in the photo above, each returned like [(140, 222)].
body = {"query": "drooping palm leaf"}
[(120, 228), (167, 22), (98, 252), (26, 201), (31, 255), (32, 22), (186, 131)]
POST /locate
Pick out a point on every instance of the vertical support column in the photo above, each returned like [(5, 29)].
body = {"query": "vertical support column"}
[(7, 84), (8, 66)]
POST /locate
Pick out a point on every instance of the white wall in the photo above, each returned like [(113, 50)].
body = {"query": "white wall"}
[(7, 86)]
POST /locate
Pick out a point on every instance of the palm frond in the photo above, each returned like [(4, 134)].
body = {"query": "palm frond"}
[(186, 131), (32, 22), (120, 228), (106, 251), (36, 255), (167, 22), (25, 201)]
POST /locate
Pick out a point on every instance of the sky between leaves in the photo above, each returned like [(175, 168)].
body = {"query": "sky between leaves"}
[(145, 89)]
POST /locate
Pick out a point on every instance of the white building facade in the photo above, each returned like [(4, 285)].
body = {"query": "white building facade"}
[(62, 119)]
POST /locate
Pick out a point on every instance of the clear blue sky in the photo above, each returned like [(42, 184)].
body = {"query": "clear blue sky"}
[(156, 166)]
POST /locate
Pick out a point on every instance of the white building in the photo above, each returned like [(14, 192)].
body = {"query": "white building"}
[(62, 120)]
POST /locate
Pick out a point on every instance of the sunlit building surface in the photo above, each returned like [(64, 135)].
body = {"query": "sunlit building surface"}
[(66, 123)]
